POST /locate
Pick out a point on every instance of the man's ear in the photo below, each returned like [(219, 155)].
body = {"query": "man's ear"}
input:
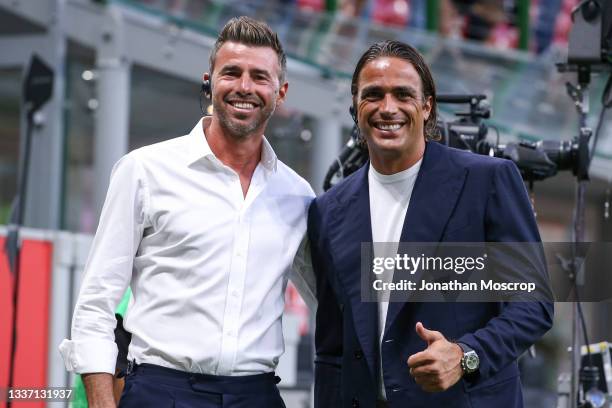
[(282, 93), (427, 107), (206, 85)]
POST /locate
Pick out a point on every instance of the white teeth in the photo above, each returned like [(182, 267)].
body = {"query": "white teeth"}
[(389, 127), (244, 105)]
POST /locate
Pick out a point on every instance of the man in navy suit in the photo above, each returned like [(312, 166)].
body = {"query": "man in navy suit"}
[(410, 354)]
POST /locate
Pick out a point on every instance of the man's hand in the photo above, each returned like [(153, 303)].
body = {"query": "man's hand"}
[(99, 389), (438, 367)]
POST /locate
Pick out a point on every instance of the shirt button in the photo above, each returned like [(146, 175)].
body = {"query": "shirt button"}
[(230, 333), (235, 293)]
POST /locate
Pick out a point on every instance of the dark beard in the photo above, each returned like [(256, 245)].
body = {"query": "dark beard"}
[(241, 130)]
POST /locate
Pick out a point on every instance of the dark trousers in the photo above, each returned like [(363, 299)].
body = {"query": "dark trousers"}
[(153, 386)]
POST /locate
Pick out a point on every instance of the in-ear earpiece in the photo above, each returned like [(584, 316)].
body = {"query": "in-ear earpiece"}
[(206, 89), (206, 86)]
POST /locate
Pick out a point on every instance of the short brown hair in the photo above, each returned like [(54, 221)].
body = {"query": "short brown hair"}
[(408, 53), (248, 31)]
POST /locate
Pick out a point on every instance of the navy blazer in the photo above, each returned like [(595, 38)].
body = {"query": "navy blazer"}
[(458, 196)]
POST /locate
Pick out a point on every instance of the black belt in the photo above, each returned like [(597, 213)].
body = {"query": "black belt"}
[(205, 382)]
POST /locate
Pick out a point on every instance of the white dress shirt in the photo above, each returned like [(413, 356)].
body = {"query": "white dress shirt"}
[(207, 266), (389, 199)]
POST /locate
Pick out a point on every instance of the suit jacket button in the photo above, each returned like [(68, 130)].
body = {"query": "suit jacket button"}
[(355, 403), (358, 354)]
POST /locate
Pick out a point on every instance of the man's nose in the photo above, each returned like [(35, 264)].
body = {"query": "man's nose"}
[(388, 104), (246, 83)]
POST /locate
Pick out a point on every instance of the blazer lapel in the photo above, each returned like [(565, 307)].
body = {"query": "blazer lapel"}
[(351, 229), (434, 196)]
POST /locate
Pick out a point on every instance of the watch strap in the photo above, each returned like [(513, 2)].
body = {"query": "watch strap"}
[(464, 347)]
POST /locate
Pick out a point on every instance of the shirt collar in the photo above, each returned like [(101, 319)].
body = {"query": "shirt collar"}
[(268, 157), (200, 147)]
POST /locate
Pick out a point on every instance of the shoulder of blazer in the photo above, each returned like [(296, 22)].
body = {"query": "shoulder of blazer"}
[(342, 192), (473, 161)]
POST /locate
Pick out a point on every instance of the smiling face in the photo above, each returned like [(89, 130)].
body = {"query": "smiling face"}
[(391, 112), (245, 88)]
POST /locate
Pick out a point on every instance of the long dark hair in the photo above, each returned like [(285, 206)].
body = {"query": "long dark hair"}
[(406, 52)]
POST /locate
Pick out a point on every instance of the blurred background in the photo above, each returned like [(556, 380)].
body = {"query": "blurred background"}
[(127, 73)]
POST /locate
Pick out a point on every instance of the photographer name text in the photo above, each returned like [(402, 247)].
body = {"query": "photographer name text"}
[(453, 285)]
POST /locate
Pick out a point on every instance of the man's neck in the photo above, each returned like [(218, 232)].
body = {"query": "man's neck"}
[(394, 163), (241, 155)]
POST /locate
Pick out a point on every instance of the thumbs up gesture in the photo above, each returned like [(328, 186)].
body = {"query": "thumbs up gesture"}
[(438, 367)]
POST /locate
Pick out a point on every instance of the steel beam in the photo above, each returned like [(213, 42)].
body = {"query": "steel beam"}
[(155, 42)]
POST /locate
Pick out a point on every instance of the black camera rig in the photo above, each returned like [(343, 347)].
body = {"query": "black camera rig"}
[(535, 160)]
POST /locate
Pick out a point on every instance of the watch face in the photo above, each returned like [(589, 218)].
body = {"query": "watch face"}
[(471, 361)]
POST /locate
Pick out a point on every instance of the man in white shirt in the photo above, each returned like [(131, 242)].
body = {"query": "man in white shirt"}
[(204, 228)]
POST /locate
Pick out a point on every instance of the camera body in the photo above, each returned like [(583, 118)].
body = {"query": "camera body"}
[(590, 40)]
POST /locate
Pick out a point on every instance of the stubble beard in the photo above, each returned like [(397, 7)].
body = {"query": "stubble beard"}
[(241, 130)]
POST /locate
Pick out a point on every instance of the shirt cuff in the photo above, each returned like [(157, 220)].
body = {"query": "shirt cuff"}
[(90, 356)]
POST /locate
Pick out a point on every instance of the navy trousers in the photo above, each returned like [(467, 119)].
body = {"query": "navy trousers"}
[(153, 386)]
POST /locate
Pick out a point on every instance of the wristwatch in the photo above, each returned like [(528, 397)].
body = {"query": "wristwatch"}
[(470, 361)]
